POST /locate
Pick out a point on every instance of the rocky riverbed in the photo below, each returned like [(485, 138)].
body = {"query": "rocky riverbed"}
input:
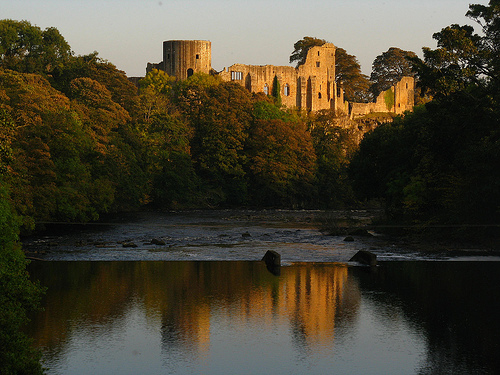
[(298, 235)]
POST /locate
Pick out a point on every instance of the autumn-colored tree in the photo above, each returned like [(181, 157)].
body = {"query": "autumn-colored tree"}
[(281, 163), (123, 92)]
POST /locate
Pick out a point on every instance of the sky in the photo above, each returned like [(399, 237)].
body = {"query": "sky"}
[(130, 33)]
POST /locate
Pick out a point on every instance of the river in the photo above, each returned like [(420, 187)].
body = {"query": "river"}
[(198, 300)]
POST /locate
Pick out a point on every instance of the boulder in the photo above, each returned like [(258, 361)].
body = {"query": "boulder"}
[(360, 232), (129, 244), (156, 241), (364, 257), (273, 262)]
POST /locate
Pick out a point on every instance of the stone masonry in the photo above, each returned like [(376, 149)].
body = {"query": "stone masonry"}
[(311, 86)]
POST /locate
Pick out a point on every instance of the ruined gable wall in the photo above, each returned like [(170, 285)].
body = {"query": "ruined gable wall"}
[(310, 86), (257, 78), (404, 95), (318, 72)]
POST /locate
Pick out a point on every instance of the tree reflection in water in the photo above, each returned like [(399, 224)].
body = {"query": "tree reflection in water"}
[(219, 317)]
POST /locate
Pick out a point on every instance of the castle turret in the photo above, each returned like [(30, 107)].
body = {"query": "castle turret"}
[(183, 58)]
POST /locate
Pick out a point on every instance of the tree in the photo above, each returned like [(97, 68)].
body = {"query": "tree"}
[(26, 48), (166, 136), (281, 163), (303, 46), (219, 114), (18, 297), (276, 92), (389, 67), (487, 16), (334, 146), (123, 92), (463, 58), (437, 165), (348, 75)]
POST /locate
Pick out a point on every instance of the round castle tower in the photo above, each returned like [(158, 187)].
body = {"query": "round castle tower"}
[(183, 58)]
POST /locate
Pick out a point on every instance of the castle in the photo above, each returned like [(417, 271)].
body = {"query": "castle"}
[(311, 86)]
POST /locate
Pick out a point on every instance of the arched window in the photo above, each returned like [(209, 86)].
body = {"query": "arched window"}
[(286, 90), (319, 95), (190, 72), (266, 89)]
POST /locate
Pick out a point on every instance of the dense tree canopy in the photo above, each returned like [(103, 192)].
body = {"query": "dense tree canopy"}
[(28, 49), (438, 165), (348, 75)]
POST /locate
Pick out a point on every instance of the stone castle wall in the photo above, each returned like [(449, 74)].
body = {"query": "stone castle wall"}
[(402, 99), (311, 86), (183, 58)]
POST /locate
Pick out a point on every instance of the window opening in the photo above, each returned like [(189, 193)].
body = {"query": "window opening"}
[(190, 72), (317, 64), (197, 57), (286, 90), (266, 89), (236, 76), (319, 95)]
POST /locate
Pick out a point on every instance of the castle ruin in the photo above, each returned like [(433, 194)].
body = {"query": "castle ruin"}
[(311, 86)]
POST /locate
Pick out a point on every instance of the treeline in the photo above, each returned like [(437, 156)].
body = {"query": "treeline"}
[(79, 139), (440, 166)]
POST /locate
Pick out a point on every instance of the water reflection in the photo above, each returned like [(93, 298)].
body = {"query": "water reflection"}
[(236, 317)]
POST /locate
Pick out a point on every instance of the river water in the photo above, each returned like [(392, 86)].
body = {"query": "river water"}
[(199, 301)]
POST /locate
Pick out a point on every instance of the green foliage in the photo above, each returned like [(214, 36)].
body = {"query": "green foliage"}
[(265, 109), (18, 296), (158, 81), (301, 47), (334, 146), (440, 164), (220, 132), (276, 91), (436, 165), (389, 99), (28, 49), (123, 92), (69, 157)]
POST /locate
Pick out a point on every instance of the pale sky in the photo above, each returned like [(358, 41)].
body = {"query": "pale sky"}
[(130, 33)]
